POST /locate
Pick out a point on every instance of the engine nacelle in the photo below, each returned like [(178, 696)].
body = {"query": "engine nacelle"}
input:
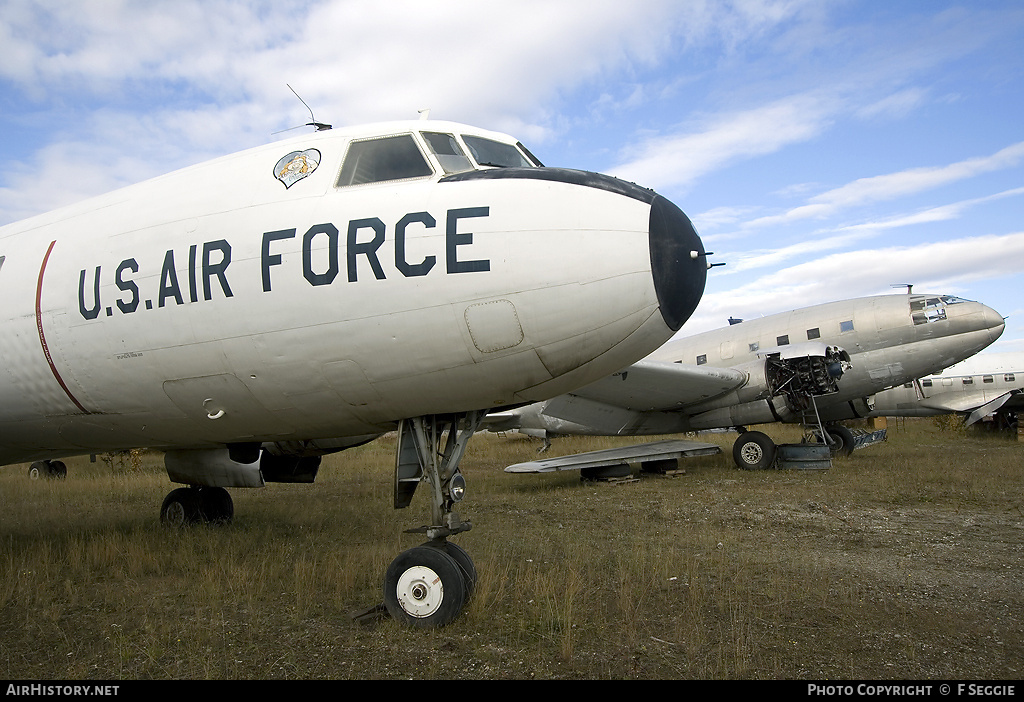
[(759, 412), (246, 466), (802, 371), (213, 468), (754, 390), (854, 409)]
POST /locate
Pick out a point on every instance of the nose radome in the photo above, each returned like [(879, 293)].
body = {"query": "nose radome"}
[(678, 262), (994, 321)]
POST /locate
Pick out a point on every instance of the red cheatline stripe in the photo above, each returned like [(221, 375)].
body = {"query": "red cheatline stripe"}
[(42, 336)]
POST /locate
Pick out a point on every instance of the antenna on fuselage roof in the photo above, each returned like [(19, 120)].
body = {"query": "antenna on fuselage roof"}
[(908, 286), (424, 113), (320, 126)]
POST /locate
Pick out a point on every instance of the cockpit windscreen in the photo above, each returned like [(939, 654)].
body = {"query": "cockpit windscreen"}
[(449, 154), (488, 152)]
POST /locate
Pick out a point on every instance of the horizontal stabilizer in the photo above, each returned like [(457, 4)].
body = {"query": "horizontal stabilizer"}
[(656, 451)]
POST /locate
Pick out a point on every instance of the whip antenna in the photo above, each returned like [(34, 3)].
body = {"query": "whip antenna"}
[(320, 126)]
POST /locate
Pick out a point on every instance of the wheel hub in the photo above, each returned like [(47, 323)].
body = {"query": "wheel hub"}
[(751, 452), (420, 591), (175, 514)]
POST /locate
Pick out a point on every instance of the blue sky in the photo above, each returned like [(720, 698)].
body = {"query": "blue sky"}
[(824, 150)]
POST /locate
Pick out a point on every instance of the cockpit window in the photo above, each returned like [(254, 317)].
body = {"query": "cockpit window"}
[(931, 309), (529, 155), (449, 154), (383, 159), (488, 152)]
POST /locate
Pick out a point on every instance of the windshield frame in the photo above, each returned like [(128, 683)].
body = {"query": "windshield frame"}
[(487, 152)]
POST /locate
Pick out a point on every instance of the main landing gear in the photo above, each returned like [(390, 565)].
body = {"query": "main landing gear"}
[(840, 439), (754, 450), (428, 585), (192, 505), (52, 470)]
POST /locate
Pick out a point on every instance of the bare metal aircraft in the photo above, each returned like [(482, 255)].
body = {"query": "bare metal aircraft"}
[(814, 366), (250, 314), (986, 387)]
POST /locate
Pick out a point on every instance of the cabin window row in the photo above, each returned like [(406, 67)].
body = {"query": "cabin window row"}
[(966, 380), (812, 334)]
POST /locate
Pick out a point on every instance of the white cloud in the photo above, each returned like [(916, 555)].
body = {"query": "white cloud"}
[(894, 185), (915, 180), (933, 214), (678, 160), (897, 105), (771, 258)]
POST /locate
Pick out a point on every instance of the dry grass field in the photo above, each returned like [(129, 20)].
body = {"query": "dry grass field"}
[(904, 561)]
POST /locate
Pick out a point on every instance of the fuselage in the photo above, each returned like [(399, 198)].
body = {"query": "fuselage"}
[(310, 290), (961, 389), (890, 340)]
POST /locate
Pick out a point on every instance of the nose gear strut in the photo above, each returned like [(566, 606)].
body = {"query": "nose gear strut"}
[(427, 586)]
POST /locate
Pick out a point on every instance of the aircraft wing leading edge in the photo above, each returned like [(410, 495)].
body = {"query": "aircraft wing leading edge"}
[(657, 386)]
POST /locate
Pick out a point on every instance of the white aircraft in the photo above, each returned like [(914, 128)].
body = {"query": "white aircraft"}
[(813, 366), (251, 314), (989, 385)]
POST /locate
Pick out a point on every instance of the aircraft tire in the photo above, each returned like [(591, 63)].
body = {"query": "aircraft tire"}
[(424, 588), (38, 470), (465, 563), (753, 451), (215, 505), (180, 508), (842, 440), (51, 470)]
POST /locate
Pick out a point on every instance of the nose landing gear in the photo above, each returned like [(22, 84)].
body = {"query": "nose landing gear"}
[(428, 585)]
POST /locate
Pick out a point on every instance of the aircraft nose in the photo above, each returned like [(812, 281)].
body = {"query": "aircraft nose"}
[(993, 321), (678, 262)]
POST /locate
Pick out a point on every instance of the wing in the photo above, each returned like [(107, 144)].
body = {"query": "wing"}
[(649, 397), (649, 386), (975, 404), (990, 407)]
